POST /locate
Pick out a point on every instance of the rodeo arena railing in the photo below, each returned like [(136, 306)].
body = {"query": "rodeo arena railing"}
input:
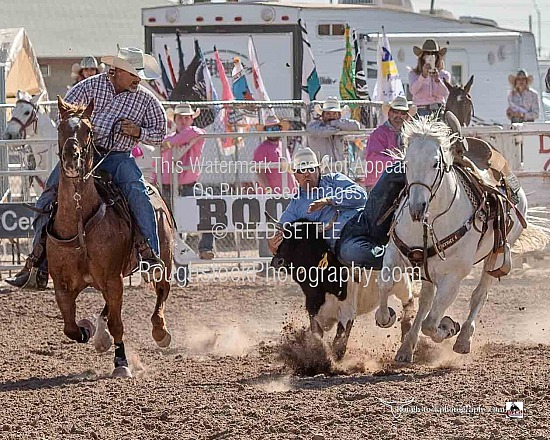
[(225, 202)]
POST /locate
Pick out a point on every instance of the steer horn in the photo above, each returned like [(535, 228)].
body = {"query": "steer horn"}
[(271, 219)]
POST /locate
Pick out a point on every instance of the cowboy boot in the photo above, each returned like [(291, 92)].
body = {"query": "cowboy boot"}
[(152, 268), (31, 276)]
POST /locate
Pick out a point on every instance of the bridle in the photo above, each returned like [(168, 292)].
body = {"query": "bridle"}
[(85, 149), (80, 238), (419, 256), (32, 120)]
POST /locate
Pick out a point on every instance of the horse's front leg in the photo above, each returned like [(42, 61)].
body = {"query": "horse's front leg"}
[(160, 334), (406, 351), (385, 316), (479, 296), (66, 301), (434, 326), (113, 299)]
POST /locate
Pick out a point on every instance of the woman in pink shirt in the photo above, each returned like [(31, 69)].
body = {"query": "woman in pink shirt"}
[(426, 85), (185, 146)]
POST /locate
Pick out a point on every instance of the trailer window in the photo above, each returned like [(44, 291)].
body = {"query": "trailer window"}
[(323, 29), (456, 74), (331, 29), (338, 29)]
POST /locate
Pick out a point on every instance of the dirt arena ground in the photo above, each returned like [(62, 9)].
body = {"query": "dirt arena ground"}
[(222, 377)]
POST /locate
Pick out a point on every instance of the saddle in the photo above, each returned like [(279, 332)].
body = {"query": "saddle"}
[(492, 189), (112, 197)]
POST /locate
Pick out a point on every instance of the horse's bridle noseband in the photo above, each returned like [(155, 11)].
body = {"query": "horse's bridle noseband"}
[(33, 119), (442, 169), (87, 146)]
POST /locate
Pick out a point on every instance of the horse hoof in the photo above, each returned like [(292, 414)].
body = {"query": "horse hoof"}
[(450, 326), (102, 340), (165, 342), (461, 347), (391, 321), (404, 358), (87, 323), (122, 372)]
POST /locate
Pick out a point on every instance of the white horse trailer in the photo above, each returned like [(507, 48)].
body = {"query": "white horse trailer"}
[(475, 47)]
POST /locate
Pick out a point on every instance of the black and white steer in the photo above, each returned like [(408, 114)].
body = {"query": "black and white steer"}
[(333, 295)]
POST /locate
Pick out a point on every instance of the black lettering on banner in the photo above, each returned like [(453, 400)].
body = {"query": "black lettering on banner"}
[(211, 212), (238, 209)]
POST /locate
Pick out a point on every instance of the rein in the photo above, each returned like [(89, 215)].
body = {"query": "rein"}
[(79, 240), (418, 255), (33, 119)]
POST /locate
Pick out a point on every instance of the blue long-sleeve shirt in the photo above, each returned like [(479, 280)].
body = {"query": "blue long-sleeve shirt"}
[(348, 198)]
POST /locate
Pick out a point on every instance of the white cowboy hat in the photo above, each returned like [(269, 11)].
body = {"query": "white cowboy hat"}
[(429, 46), (521, 74), (399, 103), (330, 105), (186, 110), (88, 62), (134, 61), (304, 158)]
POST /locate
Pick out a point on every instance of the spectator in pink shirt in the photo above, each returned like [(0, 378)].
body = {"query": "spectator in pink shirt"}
[(185, 146), (426, 85), (386, 137), (271, 150)]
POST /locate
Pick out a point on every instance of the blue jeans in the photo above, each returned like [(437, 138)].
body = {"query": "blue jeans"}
[(362, 241), (129, 178)]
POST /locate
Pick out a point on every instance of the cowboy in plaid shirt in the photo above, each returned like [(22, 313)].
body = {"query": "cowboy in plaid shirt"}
[(124, 113)]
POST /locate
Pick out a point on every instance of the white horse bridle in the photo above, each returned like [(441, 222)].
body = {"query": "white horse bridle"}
[(32, 119)]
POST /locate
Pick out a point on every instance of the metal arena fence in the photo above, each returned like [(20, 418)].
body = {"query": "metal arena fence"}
[(234, 130)]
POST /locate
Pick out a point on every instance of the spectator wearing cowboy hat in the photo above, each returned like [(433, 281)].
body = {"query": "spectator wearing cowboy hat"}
[(426, 85), (185, 146), (523, 101), (124, 113), (323, 136), (334, 200), (271, 151), (386, 138), (88, 67)]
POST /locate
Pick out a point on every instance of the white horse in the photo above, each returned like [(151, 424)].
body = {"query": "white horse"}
[(437, 209), (30, 120)]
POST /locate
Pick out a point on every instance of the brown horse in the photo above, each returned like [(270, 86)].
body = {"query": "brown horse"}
[(460, 102), (90, 244)]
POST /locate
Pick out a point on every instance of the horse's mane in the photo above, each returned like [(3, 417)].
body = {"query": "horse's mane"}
[(74, 110), (428, 126)]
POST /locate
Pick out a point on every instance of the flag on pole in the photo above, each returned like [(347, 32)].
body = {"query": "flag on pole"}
[(228, 146), (180, 52), (259, 87), (170, 66), (191, 86), (165, 80), (310, 80), (347, 79), (240, 88), (361, 87), (388, 84)]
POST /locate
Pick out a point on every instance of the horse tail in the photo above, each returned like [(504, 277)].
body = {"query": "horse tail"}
[(536, 236)]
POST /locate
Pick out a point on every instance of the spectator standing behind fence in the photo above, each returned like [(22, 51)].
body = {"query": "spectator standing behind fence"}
[(87, 67), (386, 137), (185, 146), (271, 150), (523, 101), (323, 133), (426, 85)]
